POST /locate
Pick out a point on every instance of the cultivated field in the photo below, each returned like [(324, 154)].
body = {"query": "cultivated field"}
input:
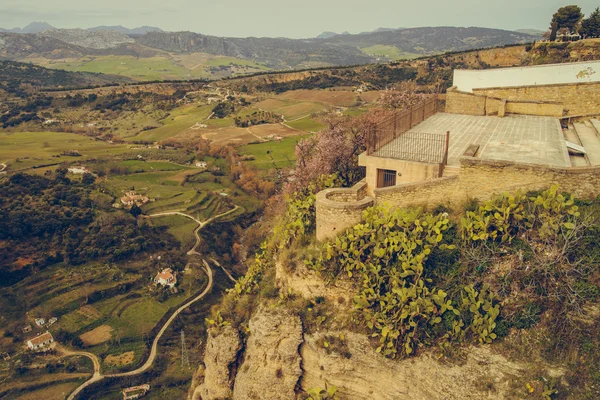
[(23, 150), (389, 52), (161, 67)]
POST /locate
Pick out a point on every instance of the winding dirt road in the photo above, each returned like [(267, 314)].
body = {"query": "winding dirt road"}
[(97, 376)]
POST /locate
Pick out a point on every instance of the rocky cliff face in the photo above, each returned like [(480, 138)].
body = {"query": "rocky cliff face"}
[(282, 361), (89, 39), (361, 373), (222, 347), (271, 366), (279, 363)]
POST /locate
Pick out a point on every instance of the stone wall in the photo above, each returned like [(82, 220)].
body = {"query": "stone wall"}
[(340, 208), (482, 103), (406, 171), (482, 179), (577, 99), (464, 103)]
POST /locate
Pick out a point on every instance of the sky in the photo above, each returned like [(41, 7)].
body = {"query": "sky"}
[(283, 18)]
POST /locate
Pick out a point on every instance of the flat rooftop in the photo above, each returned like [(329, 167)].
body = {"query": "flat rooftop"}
[(515, 138)]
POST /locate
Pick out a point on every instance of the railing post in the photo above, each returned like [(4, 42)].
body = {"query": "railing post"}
[(447, 147)]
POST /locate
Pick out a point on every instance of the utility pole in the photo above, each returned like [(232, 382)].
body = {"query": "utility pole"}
[(185, 357)]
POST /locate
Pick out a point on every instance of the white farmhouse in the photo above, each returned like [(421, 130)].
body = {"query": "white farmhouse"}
[(165, 278), (40, 342)]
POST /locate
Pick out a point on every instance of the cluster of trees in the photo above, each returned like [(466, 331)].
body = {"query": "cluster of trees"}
[(22, 80), (50, 219), (20, 113), (570, 19), (223, 109), (242, 175), (258, 118)]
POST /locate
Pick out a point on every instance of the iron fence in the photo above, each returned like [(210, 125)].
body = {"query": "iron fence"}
[(417, 146), (400, 123)]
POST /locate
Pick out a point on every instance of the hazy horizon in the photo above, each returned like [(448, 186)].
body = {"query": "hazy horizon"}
[(270, 18)]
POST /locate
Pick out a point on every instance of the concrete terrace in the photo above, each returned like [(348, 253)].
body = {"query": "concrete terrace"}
[(515, 138)]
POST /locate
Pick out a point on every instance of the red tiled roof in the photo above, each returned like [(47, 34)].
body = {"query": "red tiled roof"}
[(165, 274), (44, 337)]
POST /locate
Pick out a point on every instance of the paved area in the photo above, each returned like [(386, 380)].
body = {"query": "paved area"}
[(589, 140), (517, 138)]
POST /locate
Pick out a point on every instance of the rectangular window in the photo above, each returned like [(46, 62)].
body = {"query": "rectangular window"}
[(386, 177)]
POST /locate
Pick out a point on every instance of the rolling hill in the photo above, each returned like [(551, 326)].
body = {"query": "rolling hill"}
[(271, 53)]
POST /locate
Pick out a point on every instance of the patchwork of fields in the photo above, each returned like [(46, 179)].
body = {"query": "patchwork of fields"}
[(161, 67), (113, 309)]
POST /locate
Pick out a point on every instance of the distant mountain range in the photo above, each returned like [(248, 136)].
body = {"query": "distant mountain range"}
[(328, 34), (329, 49), (38, 27), (34, 27)]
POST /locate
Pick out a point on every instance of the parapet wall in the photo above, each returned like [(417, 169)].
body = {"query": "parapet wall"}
[(549, 74), (482, 103), (482, 179), (340, 208), (575, 98)]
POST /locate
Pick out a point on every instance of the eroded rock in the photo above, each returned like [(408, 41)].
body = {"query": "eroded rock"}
[(222, 347), (271, 366), (360, 373)]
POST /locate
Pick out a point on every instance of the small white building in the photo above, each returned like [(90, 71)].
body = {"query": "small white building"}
[(166, 277), (201, 164), (40, 322), (78, 170), (40, 342)]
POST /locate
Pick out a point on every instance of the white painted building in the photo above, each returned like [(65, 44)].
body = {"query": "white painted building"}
[(165, 278), (550, 74), (40, 342)]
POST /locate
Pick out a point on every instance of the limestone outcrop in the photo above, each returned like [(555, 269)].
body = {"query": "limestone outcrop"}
[(271, 366), (222, 347), (361, 373)]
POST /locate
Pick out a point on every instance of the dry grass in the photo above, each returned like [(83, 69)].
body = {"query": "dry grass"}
[(54, 392), (120, 360), (101, 334), (236, 136), (372, 96), (330, 97)]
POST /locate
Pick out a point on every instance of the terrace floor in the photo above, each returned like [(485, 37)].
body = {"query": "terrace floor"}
[(516, 138)]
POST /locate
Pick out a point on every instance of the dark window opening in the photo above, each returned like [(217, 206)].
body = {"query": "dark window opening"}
[(386, 177)]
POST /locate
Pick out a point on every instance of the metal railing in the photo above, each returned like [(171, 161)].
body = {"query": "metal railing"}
[(419, 147), (400, 123)]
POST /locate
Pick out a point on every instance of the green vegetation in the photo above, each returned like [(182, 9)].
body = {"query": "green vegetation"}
[(389, 52), (387, 254), (15, 78), (273, 154), (306, 124), (178, 120), (160, 67), (23, 150)]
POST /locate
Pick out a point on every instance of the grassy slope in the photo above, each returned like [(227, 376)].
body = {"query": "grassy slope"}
[(157, 67), (282, 153), (36, 148), (390, 52)]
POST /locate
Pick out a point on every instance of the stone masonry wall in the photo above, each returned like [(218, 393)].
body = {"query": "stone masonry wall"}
[(338, 209), (482, 179), (577, 99), (464, 103), (480, 103)]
